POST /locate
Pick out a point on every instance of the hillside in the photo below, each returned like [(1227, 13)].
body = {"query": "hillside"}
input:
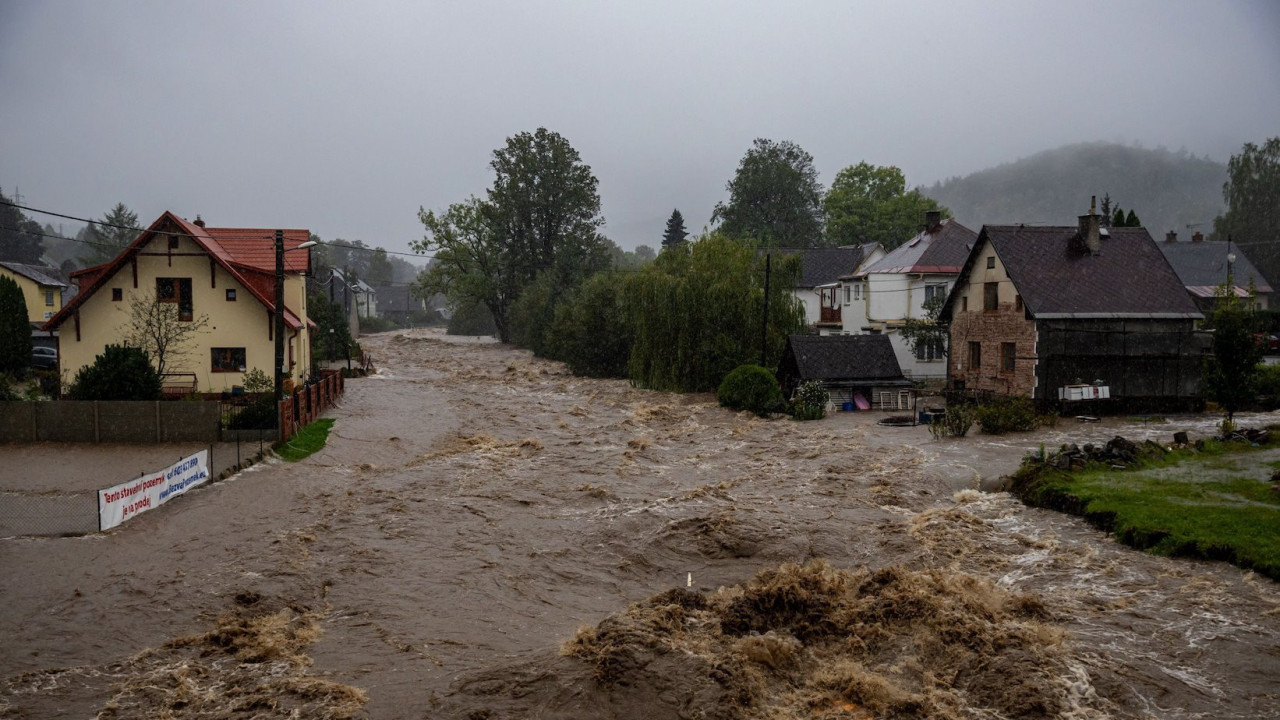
[(1168, 190)]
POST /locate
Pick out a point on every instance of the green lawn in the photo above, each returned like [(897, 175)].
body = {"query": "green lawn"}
[(1216, 505), (309, 439)]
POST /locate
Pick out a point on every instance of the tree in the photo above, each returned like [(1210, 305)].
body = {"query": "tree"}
[(15, 331), (111, 235), (926, 332), (541, 216), (119, 373), (21, 238), (155, 327), (696, 313), (871, 204), (590, 333), (1230, 373), (377, 268), (1131, 220), (1117, 220), (1106, 210), (675, 232), (775, 199), (1252, 193)]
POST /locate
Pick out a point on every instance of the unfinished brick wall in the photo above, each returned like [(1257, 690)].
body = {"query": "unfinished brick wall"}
[(1007, 324)]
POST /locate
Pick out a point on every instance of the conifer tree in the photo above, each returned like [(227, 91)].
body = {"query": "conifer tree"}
[(675, 233)]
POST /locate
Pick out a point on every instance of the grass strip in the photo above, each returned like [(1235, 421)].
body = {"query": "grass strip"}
[(309, 439), (1212, 504)]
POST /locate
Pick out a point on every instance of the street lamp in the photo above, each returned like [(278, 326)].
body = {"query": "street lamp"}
[(280, 251)]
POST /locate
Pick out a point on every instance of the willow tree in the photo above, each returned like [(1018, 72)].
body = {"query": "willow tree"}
[(696, 313)]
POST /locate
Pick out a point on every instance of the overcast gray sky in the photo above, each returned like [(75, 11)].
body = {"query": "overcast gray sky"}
[(345, 117)]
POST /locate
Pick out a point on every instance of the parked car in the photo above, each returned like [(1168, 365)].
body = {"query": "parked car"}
[(44, 358)]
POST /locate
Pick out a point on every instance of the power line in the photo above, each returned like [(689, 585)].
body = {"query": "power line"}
[(327, 243)]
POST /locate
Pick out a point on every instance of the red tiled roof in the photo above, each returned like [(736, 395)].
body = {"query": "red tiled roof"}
[(255, 247), (242, 260)]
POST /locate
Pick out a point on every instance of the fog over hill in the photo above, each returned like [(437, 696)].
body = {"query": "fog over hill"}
[(1167, 190)]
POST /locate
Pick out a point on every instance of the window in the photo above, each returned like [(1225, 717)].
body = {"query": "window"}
[(991, 262), (48, 298), (848, 294), (1008, 356), (857, 291), (177, 291), (227, 359), (117, 294), (964, 303), (1017, 302), (937, 291), (990, 296), (231, 294), (975, 355), (929, 350), (173, 242)]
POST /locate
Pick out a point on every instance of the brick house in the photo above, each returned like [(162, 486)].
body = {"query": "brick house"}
[(1037, 309)]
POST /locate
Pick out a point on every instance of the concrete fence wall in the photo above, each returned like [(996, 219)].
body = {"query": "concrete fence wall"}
[(109, 421)]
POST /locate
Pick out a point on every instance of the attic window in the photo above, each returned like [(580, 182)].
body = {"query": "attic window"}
[(173, 242), (117, 294), (991, 262), (231, 294)]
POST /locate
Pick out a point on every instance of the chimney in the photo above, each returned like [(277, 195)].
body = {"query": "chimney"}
[(1198, 237), (1090, 228), (932, 219), (1171, 236), (199, 222)]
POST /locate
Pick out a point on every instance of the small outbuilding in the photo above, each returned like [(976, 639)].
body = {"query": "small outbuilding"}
[(860, 371)]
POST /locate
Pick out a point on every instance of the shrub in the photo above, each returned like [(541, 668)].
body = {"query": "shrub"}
[(1011, 413), (15, 331), (955, 422), (810, 402), (119, 373), (7, 393), (471, 319), (374, 324), (751, 387), (590, 333)]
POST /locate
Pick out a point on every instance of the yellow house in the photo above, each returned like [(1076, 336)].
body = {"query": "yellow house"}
[(41, 288), (223, 276)]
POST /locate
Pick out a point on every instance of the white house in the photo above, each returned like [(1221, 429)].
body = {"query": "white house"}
[(818, 288), (884, 294)]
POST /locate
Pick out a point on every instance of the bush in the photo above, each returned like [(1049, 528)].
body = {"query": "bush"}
[(1011, 413), (751, 387), (7, 393), (119, 373), (471, 319), (374, 324), (955, 422), (590, 333), (15, 331), (1268, 381), (810, 402)]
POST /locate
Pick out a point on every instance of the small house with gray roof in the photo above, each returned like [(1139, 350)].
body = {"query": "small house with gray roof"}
[(1203, 267), (857, 369), (1038, 311)]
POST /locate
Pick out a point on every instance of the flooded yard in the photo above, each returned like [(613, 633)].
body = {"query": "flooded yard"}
[(476, 508)]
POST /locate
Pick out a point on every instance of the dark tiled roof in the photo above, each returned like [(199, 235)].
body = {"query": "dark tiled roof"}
[(1204, 264), (1056, 275), (940, 250), (824, 266), (42, 275), (844, 357)]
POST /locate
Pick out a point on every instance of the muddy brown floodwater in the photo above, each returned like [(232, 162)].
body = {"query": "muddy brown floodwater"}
[(483, 533)]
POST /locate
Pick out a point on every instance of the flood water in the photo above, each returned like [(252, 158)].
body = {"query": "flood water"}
[(476, 506)]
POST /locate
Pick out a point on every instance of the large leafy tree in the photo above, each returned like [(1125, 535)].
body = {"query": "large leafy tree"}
[(675, 232), (21, 238), (871, 204), (541, 218), (1252, 192), (775, 199), (698, 312), (110, 235), (15, 331)]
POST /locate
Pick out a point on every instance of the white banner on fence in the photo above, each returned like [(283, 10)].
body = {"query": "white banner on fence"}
[(119, 503)]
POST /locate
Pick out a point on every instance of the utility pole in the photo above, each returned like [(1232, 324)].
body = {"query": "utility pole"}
[(764, 321), (279, 319)]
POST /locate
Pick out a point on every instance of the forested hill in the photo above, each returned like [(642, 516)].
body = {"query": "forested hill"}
[(1167, 190)]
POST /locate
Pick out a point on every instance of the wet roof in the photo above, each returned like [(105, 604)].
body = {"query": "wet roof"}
[(1204, 265), (848, 358), (41, 274), (825, 266), (940, 250)]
